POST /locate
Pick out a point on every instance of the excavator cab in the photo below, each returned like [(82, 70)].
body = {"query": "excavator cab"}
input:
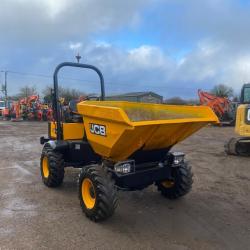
[(245, 94), (241, 145)]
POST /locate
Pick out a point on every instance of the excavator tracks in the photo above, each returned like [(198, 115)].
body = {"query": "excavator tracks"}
[(238, 146)]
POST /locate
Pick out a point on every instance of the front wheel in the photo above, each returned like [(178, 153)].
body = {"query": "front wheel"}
[(52, 167), (97, 193), (179, 185)]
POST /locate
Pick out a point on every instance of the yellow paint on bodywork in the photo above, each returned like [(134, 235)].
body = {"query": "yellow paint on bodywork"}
[(241, 127), (157, 126), (71, 131), (52, 132)]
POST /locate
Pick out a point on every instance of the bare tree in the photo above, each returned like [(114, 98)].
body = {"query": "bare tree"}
[(222, 90), (175, 101), (67, 93), (26, 91), (179, 101)]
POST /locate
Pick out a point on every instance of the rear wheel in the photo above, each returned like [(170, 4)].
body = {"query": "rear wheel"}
[(179, 185), (97, 193), (52, 167)]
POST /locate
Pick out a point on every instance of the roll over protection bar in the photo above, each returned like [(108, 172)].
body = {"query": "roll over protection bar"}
[(55, 95)]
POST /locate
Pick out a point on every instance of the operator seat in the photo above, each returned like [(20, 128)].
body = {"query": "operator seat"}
[(72, 115), (72, 106)]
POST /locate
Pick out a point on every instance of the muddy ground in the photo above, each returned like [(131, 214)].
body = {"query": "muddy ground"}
[(215, 215)]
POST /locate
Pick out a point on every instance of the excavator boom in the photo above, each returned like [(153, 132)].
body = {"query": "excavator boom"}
[(222, 106)]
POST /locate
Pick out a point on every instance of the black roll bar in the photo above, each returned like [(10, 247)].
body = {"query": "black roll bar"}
[(56, 102)]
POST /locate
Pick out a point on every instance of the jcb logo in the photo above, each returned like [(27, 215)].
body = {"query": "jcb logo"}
[(97, 129)]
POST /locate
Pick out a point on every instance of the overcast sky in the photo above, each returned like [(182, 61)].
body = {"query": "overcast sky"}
[(172, 47)]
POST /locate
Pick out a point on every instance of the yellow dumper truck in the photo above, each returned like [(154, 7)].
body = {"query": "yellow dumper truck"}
[(119, 146)]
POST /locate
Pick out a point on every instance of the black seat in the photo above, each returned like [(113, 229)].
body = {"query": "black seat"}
[(70, 114)]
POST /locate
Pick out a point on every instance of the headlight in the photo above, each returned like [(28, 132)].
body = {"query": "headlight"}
[(178, 158), (124, 167), (248, 115)]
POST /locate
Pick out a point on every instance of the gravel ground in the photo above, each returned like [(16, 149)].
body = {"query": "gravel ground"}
[(215, 215)]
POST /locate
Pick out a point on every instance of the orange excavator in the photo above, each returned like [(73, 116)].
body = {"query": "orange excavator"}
[(34, 111), (222, 106), (28, 108)]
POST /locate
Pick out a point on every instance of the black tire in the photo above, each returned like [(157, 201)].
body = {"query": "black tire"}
[(54, 176), (181, 184), (104, 193)]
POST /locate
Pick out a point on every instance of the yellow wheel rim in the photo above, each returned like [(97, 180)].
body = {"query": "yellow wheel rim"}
[(88, 193), (45, 166), (167, 184)]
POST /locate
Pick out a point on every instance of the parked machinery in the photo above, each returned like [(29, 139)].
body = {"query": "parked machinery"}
[(5, 108), (241, 145), (29, 108), (34, 111), (222, 106), (2, 107), (47, 113)]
